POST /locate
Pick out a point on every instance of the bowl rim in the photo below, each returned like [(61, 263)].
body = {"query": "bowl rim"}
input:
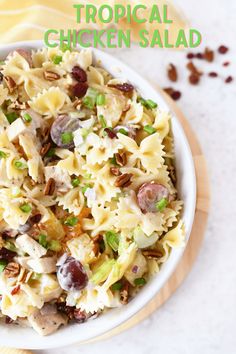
[(109, 321)]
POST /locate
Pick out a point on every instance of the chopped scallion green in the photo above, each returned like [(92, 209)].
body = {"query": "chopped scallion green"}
[(139, 281), (54, 245), (103, 121), (67, 137), (11, 117), (123, 131), (3, 264), (3, 155), (149, 129), (51, 152), (57, 59), (71, 221), (75, 182), (161, 204), (27, 117), (112, 238), (26, 208), (101, 99), (43, 240), (20, 165), (116, 286)]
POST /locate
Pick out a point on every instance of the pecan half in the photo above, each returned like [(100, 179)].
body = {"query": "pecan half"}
[(208, 55), (51, 76), (12, 270), (121, 159), (123, 180), (50, 187), (194, 79), (10, 83), (15, 290), (115, 171), (193, 69), (124, 294), (45, 148), (172, 73), (152, 253)]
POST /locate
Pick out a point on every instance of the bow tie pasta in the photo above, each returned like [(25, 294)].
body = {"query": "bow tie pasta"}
[(89, 209)]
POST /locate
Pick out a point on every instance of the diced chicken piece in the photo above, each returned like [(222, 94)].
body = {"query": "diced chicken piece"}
[(43, 265), (46, 324), (30, 246), (23, 261), (60, 176), (15, 129)]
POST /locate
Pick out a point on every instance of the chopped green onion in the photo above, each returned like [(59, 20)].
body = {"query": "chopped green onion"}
[(112, 239), (71, 221), (90, 99), (3, 264), (66, 137), (116, 286), (10, 246), (2, 62), (88, 102), (75, 182), (101, 99), (11, 117), (161, 204), (139, 281), (26, 208), (20, 165), (103, 271), (150, 104), (3, 155), (54, 245), (64, 47), (149, 129), (51, 152), (57, 59), (113, 161), (103, 121), (123, 131), (84, 188), (43, 240), (27, 117)]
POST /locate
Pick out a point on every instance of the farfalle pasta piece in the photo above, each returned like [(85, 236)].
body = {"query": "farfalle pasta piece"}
[(72, 162), (134, 114), (50, 102), (112, 109), (103, 219), (35, 163), (71, 59), (82, 248), (73, 201), (150, 152)]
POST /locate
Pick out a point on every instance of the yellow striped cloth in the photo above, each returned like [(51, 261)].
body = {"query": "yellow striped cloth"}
[(29, 19)]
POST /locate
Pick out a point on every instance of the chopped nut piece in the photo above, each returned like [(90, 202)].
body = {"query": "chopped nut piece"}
[(124, 294), (191, 67), (45, 148), (22, 275), (152, 253), (50, 187), (209, 55), (194, 79), (51, 76), (123, 180), (15, 290), (121, 159), (115, 171), (10, 83), (172, 73), (12, 270)]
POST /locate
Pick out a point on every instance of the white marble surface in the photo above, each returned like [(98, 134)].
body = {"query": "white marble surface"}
[(201, 316)]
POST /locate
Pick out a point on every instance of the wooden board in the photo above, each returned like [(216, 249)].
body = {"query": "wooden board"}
[(194, 244)]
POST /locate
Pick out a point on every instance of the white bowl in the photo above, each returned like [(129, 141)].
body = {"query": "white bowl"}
[(18, 337)]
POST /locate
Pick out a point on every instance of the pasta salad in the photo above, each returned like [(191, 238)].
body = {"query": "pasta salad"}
[(89, 209)]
